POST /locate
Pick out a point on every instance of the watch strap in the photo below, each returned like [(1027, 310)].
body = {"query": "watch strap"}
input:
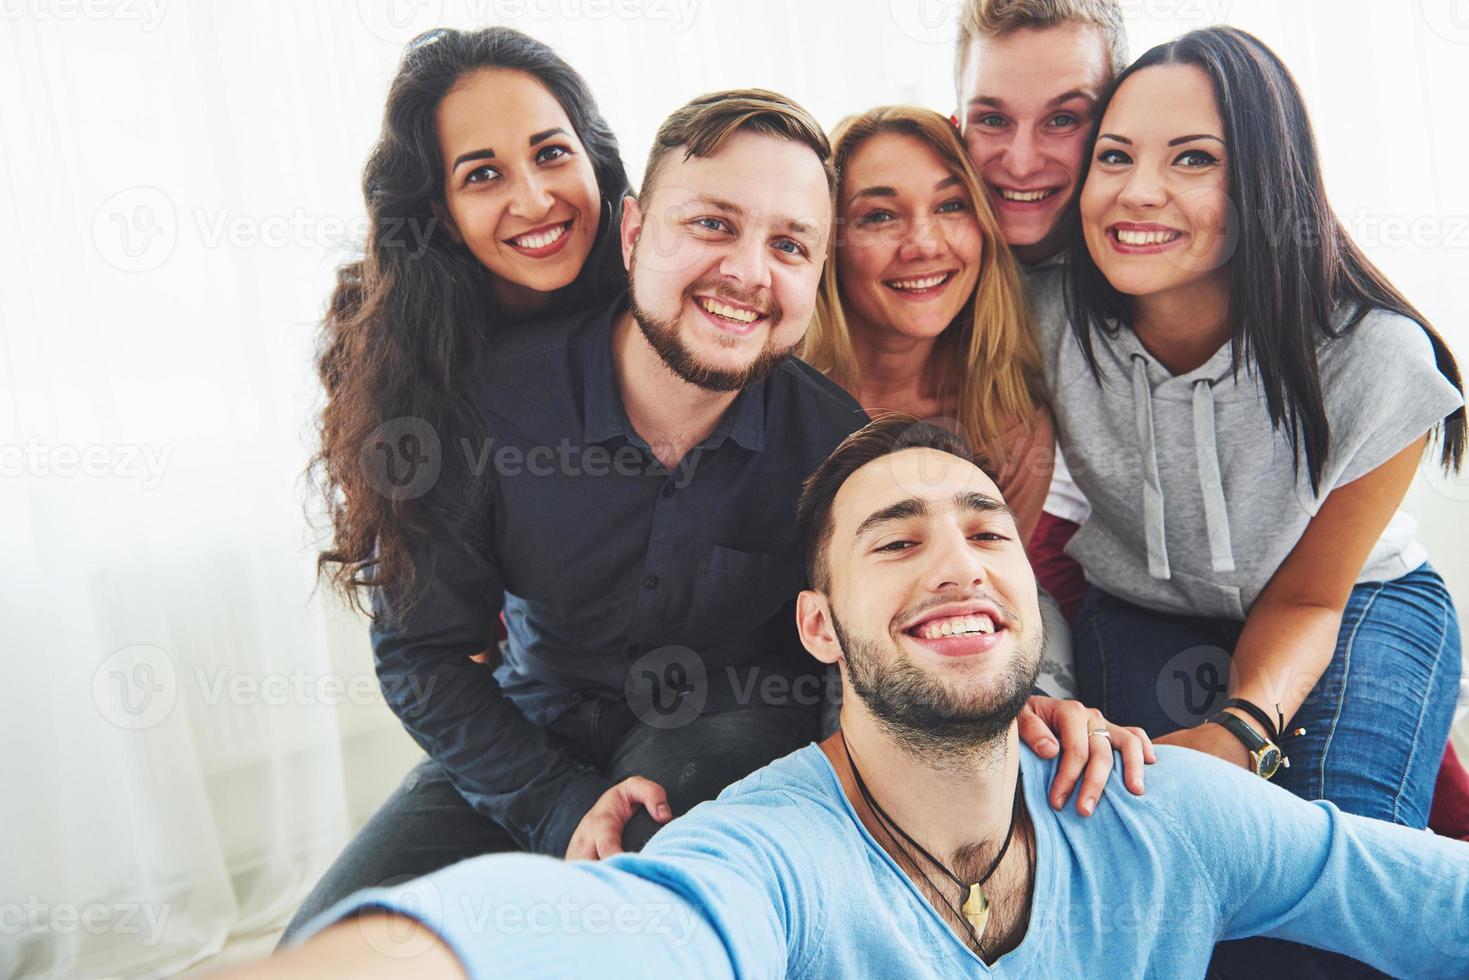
[(1272, 730), (1236, 726)]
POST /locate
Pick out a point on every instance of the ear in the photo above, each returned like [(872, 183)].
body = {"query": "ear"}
[(813, 622), (447, 220), (632, 227)]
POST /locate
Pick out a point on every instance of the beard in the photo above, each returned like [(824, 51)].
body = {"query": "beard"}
[(923, 713), (663, 336)]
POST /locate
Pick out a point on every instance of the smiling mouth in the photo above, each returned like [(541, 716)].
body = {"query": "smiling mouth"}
[(978, 624), (542, 239), (1161, 236), (1149, 240), (733, 315), (1012, 196), (921, 286)]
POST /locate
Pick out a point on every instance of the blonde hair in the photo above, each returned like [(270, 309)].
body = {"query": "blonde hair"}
[(996, 18), (988, 363)]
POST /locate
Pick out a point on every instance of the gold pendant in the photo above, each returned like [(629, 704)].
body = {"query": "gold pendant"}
[(976, 909)]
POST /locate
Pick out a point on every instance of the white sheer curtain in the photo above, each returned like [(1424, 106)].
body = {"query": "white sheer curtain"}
[(191, 733)]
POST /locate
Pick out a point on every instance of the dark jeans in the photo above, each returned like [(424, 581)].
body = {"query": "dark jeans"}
[(426, 825), (1376, 722)]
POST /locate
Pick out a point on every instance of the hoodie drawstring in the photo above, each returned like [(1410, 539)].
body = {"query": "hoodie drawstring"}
[(1206, 461)]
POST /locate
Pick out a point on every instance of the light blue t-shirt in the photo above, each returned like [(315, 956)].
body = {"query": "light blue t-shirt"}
[(778, 877)]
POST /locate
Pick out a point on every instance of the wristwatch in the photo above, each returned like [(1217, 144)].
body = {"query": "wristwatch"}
[(1265, 756)]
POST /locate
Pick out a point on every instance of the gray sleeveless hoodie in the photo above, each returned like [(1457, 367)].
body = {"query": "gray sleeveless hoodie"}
[(1195, 501)]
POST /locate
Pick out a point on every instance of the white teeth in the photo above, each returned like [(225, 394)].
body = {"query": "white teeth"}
[(1025, 195), (927, 282), (1129, 237), (957, 626), (728, 312), (541, 240)]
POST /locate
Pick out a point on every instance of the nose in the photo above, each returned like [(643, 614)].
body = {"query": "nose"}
[(530, 199), (954, 563), (1143, 190), (747, 262), (925, 239), (1023, 158)]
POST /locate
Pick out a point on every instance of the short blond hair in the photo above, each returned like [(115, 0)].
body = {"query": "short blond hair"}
[(702, 126), (996, 18)]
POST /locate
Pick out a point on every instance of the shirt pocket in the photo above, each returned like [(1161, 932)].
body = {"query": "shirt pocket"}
[(740, 590)]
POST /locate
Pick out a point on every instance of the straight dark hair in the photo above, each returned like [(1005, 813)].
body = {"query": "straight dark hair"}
[(407, 321), (1293, 263)]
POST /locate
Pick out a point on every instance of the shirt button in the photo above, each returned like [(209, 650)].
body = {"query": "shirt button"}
[(651, 582)]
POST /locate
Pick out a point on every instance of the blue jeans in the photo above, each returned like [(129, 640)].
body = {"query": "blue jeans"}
[(1376, 722), (426, 825)]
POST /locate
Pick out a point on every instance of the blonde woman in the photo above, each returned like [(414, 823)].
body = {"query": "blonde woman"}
[(922, 309)]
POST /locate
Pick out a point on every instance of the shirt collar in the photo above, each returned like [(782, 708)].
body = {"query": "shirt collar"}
[(604, 416)]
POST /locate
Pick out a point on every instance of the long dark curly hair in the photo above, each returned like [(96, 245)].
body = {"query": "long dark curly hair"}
[(408, 320)]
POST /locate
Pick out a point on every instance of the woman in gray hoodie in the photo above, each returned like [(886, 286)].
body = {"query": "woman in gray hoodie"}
[(1244, 399)]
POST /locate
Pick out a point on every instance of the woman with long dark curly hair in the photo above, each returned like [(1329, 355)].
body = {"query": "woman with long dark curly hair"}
[(494, 196)]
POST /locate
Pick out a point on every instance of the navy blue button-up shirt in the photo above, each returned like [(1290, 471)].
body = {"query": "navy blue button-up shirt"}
[(618, 577)]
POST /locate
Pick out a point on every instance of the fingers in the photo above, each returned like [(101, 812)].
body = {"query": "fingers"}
[(1073, 721), (1136, 748), (579, 848), (653, 798), (1037, 734), (1098, 769), (608, 834)]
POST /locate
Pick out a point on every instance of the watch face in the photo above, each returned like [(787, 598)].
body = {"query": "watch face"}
[(1267, 761)]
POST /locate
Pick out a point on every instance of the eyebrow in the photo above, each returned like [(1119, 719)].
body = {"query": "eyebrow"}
[(1179, 141), (965, 500), (997, 103), (885, 191), (484, 154), (546, 134), (489, 154), (795, 226)]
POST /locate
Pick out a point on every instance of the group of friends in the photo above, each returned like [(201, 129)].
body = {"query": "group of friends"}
[(786, 477)]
